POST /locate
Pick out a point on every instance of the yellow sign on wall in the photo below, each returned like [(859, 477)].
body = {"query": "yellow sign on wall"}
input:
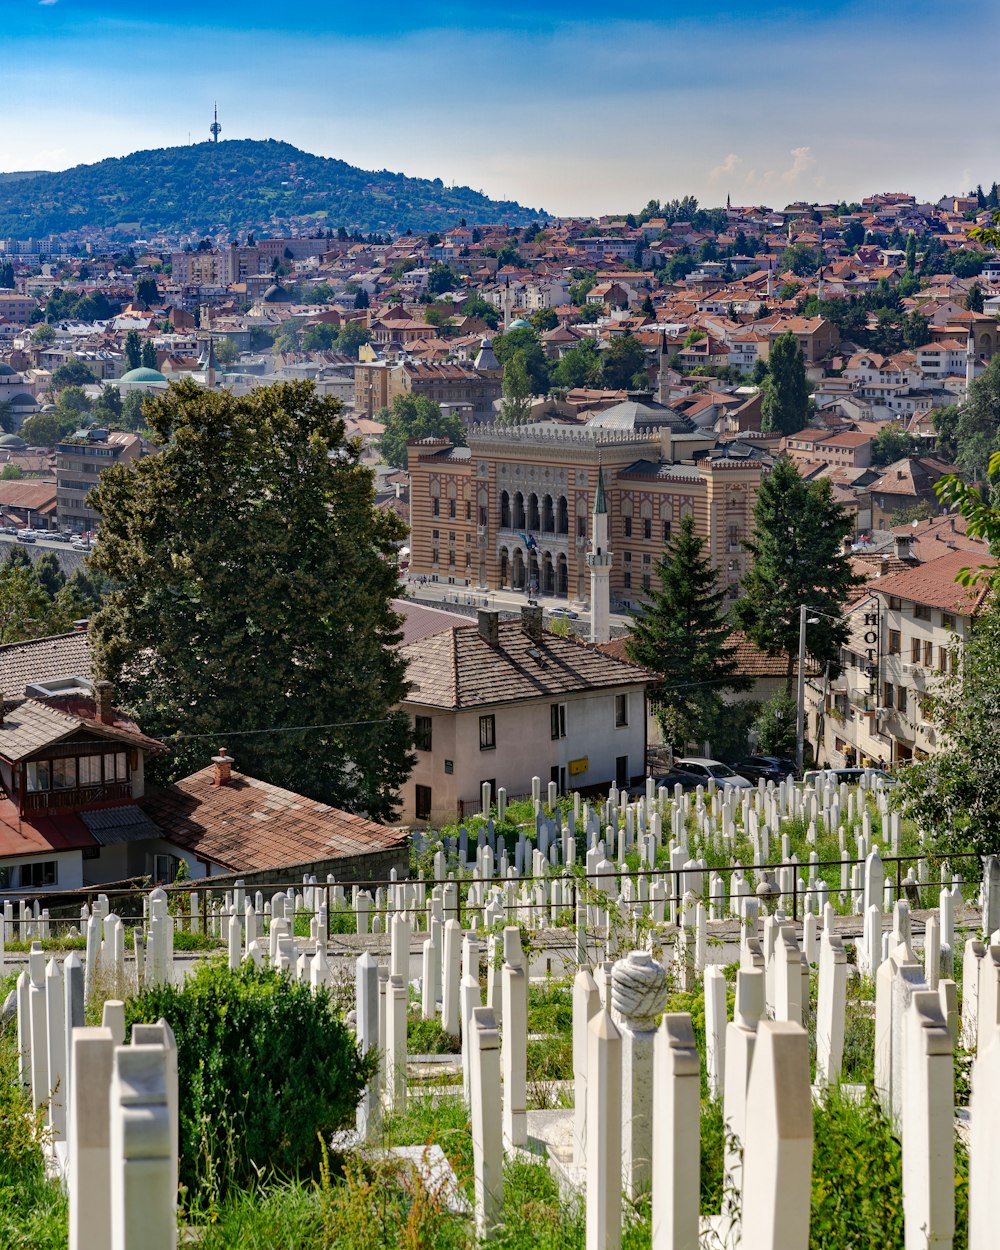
[(576, 767)]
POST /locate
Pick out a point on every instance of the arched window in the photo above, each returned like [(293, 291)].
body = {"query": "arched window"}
[(452, 500), (646, 516), (518, 510), (563, 524), (504, 566), (548, 576), (484, 503), (534, 519), (562, 576), (627, 517), (548, 516), (435, 498), (518, 569), (505, 510)]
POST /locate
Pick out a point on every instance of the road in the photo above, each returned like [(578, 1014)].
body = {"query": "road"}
[(467, 598), (69, 559)]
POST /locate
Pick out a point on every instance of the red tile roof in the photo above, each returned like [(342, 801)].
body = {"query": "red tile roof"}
[(933, 584)]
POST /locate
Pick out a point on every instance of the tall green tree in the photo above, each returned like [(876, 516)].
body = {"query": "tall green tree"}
[(23, 604), (146, 292), (133, 349), (976, 433), (148, 356), (797, 557), (892, 443), (7, 276), (623, 364), (254, 576), (682, 635), (580, 366), (911, 252), (785, 406), (525, 341), (73, 373), (415, 416), (352, 337), (49, 572), (974, 298), (516, 406)]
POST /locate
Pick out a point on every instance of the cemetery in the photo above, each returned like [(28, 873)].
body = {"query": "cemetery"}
[(766, 1018)]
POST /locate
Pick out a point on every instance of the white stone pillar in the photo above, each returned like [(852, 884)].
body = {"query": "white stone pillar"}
[(716, 1017), (451, 978), (395, 1048), (927, 1114), (787, 976), (831, 1009), (676, 1135), (399, 961), (89, 1139), (487, 1139), (23, 990), (777, 1157), (55, 1020), (143, 1157), (638, 995), (366, 989), (971, 962), (741, 1036), (39, 1031), (586, 1005), (470, 998), (989, 997), (514, 1054), (73, 1018), (932, 952), (428, 985), (604, 1135), (113, 1018), (984, 1147)]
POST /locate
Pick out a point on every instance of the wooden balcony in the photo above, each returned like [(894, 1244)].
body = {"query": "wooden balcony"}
[(80, 796)]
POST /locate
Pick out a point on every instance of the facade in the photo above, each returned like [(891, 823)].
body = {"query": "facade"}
[(514, 508), (80, 460), (503, 702), (377, 384)]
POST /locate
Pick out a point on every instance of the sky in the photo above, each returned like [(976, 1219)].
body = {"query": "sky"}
[(579, 109)]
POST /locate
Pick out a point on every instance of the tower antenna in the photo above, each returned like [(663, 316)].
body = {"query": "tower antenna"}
[(215, 129)]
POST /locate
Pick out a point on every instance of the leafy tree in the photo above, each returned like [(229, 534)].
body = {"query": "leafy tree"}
[(226, 351), (580, 366), (623, 364), (974, 298), (12, 473), (797, 557), (953, 794), (854, 236), (946, 430), (911, 252), (17, 558), (107, 409), (256, 505), (525, 342), (22, 604), (7, 276), (648, 308), (544, 319), (785, 406), (148, 355), (476, 306), (361, 300), (45, 429), (321, 336), (916, 330), (412, 416), (146, 292), (132, 417), (440, 279), (49, 572), (800, 259), (73, 373), (892, 443), (351, 338), (516, 406), (579, 289), (43, 334), (682, 635), (978, 423), (85, 588), (788, 290), (133, 349), (72, 405), (776, 726), (919, 511)]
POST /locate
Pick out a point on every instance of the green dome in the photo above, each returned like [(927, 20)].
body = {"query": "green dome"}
[(143, 375), (12, 441), (7, 372), (520, 324)]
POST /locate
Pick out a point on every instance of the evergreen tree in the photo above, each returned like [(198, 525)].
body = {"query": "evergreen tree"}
[(516, 406), (785, 406), (974, 299), (797, 557), (361, 300), (7, 276), (16, 558), (254, 576), (911, 252), (148, 355), (133, 349), (49, 572), (682, 635)]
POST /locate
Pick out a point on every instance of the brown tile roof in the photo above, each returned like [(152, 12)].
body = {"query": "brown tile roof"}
[(457, 668), (38, 833), (249, 826), (752, 661), (933, 584), (32, 724), (41, 659), (420, 621)]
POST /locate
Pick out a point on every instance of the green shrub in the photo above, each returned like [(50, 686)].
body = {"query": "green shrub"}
[(267, 1068), (427, 1037)]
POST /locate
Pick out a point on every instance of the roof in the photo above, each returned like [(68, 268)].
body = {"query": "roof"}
[(420, 621), (751, 660), (632, 414), (457, 668), (142, 375), (38, 833), (249, 826), (42, 659), (34, 724), (933, 584)]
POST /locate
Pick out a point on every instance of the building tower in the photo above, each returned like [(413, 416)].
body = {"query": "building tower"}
[(663, 379), (215, 129), (599, 563)]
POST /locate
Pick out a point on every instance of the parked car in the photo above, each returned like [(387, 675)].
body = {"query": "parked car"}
[(25, 536), (712, 770), (81, 544), (672, 777), (851, 775), (765, 768), (56, 536), (8, 529), (568, 613)]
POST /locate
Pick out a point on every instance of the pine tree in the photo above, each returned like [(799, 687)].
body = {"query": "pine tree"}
[(911, 252), (148, 355), (797, 551), (785, 406), (683, 636), (133, 349), (254, 576)]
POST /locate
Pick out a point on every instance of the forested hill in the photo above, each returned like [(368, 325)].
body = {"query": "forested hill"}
[(235, 186)]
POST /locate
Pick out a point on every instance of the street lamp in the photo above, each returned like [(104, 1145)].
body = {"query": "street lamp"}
[(800, 711)]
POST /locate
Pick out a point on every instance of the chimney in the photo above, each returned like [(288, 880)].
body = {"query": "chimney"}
[(104, 694), (902, 546), (531, 622), (847, 546), (489, 627), (223, 765)]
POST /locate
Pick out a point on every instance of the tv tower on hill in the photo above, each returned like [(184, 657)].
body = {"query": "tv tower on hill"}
[(215, 129)]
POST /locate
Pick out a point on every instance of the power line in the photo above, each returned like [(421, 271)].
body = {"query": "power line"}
[(276, 729)]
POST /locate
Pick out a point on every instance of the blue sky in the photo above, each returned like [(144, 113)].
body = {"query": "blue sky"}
[(576, 108)]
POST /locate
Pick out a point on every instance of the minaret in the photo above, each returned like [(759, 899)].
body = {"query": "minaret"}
[(599, 563), (215, 129), (819, 284), (970, 363), (663, 389), (770, 281), (506, 307)]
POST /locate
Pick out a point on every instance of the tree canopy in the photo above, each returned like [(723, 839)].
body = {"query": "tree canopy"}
[(415, 416), (785, 406), (255, 578), (797, 557)]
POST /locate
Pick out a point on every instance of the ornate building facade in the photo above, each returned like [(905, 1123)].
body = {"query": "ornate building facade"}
[(514, 509)]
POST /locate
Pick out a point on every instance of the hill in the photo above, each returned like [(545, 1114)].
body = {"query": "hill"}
[(232, 187)]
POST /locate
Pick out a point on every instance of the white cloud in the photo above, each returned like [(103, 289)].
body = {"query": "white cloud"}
[(46, 3), (802, 161), (728, 166)]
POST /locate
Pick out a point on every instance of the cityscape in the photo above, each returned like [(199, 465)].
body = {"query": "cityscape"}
[(498, 736)]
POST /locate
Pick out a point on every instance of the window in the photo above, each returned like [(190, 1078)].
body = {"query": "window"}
[(422, 733), (947, 620), (581, 527), (901, 698), (889, 700), (34, 876), (627, 522), (928, 654), (37, 776), (647, 528), (914, 650), (487, 733), (666, 531), (5, 878), (435, 506), (90, 770), (921, 612), (895, 642), (121, 766), (468, 510), (423, 802), (557, 720), (63, 774), (622, 774), (627, 580), (621, 710), (646, 581), (894, 604), (942, 666)]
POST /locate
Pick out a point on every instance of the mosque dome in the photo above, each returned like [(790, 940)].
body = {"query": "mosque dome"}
[(147, 376), (7, 372), (12, 442), (520, 324)]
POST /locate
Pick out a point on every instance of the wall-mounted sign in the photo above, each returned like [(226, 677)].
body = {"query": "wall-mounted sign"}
[(576, 767)]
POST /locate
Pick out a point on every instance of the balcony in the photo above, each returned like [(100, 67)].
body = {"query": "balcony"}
[(79, 796)]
